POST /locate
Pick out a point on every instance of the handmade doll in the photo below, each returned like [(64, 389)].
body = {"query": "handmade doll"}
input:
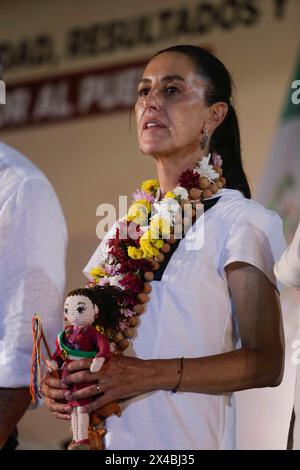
[(87, 311)]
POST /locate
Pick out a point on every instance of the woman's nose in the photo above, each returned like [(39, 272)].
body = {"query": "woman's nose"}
[(152, 101)]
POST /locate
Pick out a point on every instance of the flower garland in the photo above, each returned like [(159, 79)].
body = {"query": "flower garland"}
[(146, 234)]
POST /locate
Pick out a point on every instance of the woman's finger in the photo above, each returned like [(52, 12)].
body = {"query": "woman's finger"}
[(79, 365), (54, 382), (104, 399), (61, 416), (80, 377), (54, 393), (56, 407), (85, 392)]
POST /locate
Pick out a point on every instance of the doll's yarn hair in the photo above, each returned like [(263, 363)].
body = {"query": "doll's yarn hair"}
[(107, 299)]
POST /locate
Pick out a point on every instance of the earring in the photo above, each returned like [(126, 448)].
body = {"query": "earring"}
[(203, 142)]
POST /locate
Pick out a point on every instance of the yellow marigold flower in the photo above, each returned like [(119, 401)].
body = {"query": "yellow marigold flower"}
[(160, 228), (146, 235), (134, 253), (100, 328), (154, 230), (138, 212), (145, 203), (150, 245), (139, 218), (149, 250), (159, 243), (150, 186), (97, 272), (170, 195)]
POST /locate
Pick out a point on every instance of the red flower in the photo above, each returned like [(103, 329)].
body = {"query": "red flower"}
[(128, 241), (135, 265), (133, 282), (188, 180), (130, 299), (118, 252), (118, 246)]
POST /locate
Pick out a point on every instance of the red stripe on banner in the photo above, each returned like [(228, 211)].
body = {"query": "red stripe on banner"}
[(70, 96)]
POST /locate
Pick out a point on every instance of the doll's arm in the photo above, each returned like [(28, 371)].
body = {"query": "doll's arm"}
[(97, 363), (104, 352)]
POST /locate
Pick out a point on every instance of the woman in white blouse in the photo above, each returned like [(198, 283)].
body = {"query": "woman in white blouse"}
[(216, 306)]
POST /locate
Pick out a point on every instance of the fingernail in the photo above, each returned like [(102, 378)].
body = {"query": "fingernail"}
[(68, 395)]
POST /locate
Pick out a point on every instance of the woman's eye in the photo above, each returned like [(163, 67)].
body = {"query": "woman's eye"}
[(143, 91), (80, 309), (171, 90), (66, 310)]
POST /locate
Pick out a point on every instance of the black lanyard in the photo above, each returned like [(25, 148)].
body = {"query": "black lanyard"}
[(158, 274)]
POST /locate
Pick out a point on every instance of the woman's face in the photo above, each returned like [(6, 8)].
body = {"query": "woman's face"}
[(170, 109)]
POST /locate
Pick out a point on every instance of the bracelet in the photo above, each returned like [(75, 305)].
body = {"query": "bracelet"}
[(180, 372)]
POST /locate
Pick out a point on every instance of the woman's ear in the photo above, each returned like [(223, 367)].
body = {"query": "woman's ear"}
[(217, 114)]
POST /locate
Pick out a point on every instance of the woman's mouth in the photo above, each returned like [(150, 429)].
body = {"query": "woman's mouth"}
[(150, 124)]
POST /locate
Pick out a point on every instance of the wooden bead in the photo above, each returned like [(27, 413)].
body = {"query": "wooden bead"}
[(147, 288), (95, 420), (195, 193), (223, 180), (207, 193), (160, 258), (187, 221), (133, 321), (171, 240), (178, 231), (123, 344), (198, 211), (129, 332), (148, 276), (143, 298), (155, 265), (213, 188), (107, 410), (184, 202), (203, 182), (118, 337), (218, 170), (138, 309), (219, 184), (166, 248)]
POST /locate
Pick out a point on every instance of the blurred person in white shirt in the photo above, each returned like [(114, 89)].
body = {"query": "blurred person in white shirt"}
[(33, 242), (287, 270)]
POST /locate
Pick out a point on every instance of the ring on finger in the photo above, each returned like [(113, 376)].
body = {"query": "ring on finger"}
[(98, 387)]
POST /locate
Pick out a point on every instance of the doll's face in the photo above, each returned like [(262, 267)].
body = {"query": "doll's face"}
[(80, 311)]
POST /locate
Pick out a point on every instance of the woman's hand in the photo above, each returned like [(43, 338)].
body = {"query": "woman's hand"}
[(54, 391), (120, 377), (51, 365)]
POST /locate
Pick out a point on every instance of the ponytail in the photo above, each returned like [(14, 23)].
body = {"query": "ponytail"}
[(226, 141)]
